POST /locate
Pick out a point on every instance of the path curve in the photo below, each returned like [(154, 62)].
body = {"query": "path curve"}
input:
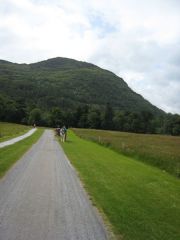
[(17, 139), (42, 198)]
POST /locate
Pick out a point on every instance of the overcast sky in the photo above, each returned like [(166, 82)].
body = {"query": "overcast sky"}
[(138, 40)]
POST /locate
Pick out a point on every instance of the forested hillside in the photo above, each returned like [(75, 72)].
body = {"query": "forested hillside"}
[(73, 92), (66, 83)]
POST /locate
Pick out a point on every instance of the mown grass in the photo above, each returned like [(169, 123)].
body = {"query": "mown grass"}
[(10, 154), (158, 150), (11, 130), (140, 201)]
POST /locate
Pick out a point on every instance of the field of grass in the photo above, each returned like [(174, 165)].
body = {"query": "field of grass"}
[(158, 150), (11, 130), (10, 154), (140, 201)]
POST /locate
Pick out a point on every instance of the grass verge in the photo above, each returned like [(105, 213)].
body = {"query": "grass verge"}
[(141, 202), (157, 150), (12, 130), (10, 154)]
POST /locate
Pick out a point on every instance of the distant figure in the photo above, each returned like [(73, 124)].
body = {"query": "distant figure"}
[(63, 134), (34, 125)]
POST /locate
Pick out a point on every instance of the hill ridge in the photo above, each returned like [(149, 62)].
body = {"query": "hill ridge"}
[(88, 79), (81, 91)]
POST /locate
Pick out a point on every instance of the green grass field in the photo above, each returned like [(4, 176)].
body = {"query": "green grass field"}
[(157, 150), (10, 154), (11, 130), (140, 201)]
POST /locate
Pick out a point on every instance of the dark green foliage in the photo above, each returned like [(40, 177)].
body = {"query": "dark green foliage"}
[(35, 116), (134, 122), (56, 117), (76, 93), (172, 124), (94, 118), (67, 83), (107, 120), (11, 110)]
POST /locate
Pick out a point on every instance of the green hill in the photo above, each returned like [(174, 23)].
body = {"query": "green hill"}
[(67, 83), (79, 94)]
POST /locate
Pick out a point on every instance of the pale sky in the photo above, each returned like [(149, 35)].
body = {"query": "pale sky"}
[(139, 40)]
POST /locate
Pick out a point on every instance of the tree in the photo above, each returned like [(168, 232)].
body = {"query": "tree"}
[(35, 117), (147, 118), (56, 117), (107, 121), (94, 118), (8, 109), (81, 115), (168, 124), (2, 108), (119, 121), (176, 125)]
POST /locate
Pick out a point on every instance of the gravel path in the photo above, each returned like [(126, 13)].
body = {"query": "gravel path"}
[(17, 139), (41, 198)]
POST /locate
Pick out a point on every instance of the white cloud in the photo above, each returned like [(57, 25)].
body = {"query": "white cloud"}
[(138, 40)]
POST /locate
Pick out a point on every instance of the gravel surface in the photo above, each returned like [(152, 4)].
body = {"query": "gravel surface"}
[(41, 198), (17, 139)]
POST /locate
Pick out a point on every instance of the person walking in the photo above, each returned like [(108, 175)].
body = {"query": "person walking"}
[(64, 129)]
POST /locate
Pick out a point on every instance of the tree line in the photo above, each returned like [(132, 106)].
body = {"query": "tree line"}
[(90, 116)]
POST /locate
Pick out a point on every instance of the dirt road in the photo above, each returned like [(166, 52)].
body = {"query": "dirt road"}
[(17, 139), (41, 198)]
